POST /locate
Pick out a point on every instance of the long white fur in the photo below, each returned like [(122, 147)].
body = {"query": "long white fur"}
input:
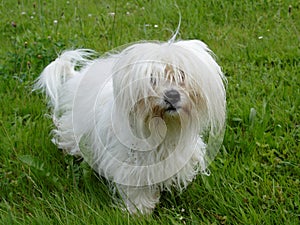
[(105, 112)]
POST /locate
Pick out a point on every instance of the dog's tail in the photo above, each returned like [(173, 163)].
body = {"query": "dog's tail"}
[(59, 71)]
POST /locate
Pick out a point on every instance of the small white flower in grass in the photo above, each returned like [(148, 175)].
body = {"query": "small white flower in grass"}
[(68, 2), (127, 13), (260, 37), (155, 25), (290, 9), (55, 22), (23, 13), (89, 15), (31, 17), (111, 14)]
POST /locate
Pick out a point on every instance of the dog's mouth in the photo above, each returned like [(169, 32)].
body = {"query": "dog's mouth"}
[(171, 108)]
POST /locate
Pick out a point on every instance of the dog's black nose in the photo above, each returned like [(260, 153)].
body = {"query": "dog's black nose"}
[(172, 97)]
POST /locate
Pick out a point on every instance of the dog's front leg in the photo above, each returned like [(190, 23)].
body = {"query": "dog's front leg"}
[(139, 199)]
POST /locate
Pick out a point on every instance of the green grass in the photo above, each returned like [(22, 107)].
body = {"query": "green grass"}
[(255, 177)]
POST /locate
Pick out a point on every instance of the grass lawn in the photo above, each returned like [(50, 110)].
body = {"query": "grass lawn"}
[(255, 179)]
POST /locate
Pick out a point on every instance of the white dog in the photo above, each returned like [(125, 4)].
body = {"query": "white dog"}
[(148, 118)]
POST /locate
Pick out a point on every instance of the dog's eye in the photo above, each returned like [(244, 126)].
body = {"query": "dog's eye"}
[(182, 75), (152, 80)]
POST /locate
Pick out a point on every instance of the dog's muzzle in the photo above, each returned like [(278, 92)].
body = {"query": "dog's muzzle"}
[(172, 98)]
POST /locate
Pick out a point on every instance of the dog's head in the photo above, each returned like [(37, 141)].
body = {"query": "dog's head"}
[(165, 80)]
